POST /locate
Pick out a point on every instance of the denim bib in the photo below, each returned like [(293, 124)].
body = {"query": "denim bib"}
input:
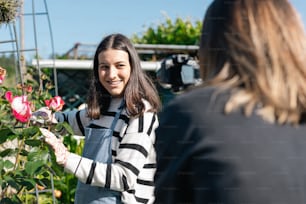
[(98, 148)]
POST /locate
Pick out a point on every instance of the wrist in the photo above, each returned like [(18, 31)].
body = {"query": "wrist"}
[(61, 154), (67, 153)]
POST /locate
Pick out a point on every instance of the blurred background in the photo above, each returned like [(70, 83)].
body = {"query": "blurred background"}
[(59, 38)]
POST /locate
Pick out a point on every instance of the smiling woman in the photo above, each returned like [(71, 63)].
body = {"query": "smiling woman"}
[(118, 162)]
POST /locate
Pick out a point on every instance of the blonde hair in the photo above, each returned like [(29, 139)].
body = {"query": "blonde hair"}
[(257, 49)]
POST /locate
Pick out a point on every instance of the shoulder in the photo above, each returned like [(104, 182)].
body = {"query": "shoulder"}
[(147, 105), (148, 120), (199, 97)]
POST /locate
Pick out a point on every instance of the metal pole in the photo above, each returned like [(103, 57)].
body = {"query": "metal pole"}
[(21, 32), (53, 50), (36, 45)]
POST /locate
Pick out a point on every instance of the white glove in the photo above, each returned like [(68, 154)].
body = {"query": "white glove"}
[(57, 145), (43, 115)]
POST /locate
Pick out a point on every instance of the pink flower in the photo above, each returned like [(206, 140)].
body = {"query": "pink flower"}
[(20, 105), (29, 89), (56, 103), (2, 74)]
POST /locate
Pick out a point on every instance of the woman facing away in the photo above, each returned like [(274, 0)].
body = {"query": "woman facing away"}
[(118, 161), (241, 137)]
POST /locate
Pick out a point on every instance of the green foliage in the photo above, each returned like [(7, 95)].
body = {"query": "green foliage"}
[(25, 160), (179, 32)]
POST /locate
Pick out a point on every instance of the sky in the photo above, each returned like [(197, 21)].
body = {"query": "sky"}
[(79, 21)]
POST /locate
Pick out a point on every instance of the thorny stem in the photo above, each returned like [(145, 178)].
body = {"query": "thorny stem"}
[(20, 145)]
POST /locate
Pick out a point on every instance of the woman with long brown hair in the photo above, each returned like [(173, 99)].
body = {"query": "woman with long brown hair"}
[(118, 161)]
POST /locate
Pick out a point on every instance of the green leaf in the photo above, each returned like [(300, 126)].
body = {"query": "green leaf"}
[(11, 181), (13, 200), (18, 173), (33, 142), (24, 152), (38, 155), (5, 134), (60, 126), (29, 132), (33, 166), (7, 152), (28, 183), (8, 164), (1, 165)]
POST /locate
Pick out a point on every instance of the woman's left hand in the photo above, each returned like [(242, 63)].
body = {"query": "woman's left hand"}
[(57, 145)]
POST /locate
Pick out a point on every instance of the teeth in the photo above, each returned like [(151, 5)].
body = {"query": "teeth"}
[(114, 82)]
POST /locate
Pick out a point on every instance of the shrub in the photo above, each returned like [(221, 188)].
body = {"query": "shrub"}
[(26, 163)]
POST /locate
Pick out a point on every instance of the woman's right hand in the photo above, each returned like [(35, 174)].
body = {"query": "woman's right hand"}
[(43, 115)]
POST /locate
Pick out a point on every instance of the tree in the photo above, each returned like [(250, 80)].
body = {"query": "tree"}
[(178, 32)]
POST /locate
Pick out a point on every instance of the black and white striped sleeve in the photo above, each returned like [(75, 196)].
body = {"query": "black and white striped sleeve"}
[(76, 119)]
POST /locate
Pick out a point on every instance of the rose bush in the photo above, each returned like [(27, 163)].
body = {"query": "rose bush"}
[(26, 162)]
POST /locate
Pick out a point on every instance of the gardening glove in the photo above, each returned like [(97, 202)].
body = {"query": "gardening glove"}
[(57, 145), (43, 115)]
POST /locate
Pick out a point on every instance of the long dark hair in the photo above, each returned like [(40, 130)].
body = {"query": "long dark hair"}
[(139, 86)]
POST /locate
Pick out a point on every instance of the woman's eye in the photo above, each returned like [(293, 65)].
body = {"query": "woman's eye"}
[(103, 67), (121, 65)]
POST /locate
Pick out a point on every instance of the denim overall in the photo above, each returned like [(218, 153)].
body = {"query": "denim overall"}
[(98, 148)]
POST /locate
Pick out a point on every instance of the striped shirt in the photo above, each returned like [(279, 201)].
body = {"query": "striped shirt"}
[(133, 155)]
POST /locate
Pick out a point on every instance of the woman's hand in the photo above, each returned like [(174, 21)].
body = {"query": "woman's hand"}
[(57, 145), (43, 115)]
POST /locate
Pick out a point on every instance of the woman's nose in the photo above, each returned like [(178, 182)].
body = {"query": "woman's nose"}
[(112, 72)]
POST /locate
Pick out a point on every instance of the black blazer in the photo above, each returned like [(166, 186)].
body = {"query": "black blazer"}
[(207, 157)]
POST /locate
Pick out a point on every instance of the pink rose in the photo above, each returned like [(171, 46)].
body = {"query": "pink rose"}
[(56, 103), (20, 105)]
